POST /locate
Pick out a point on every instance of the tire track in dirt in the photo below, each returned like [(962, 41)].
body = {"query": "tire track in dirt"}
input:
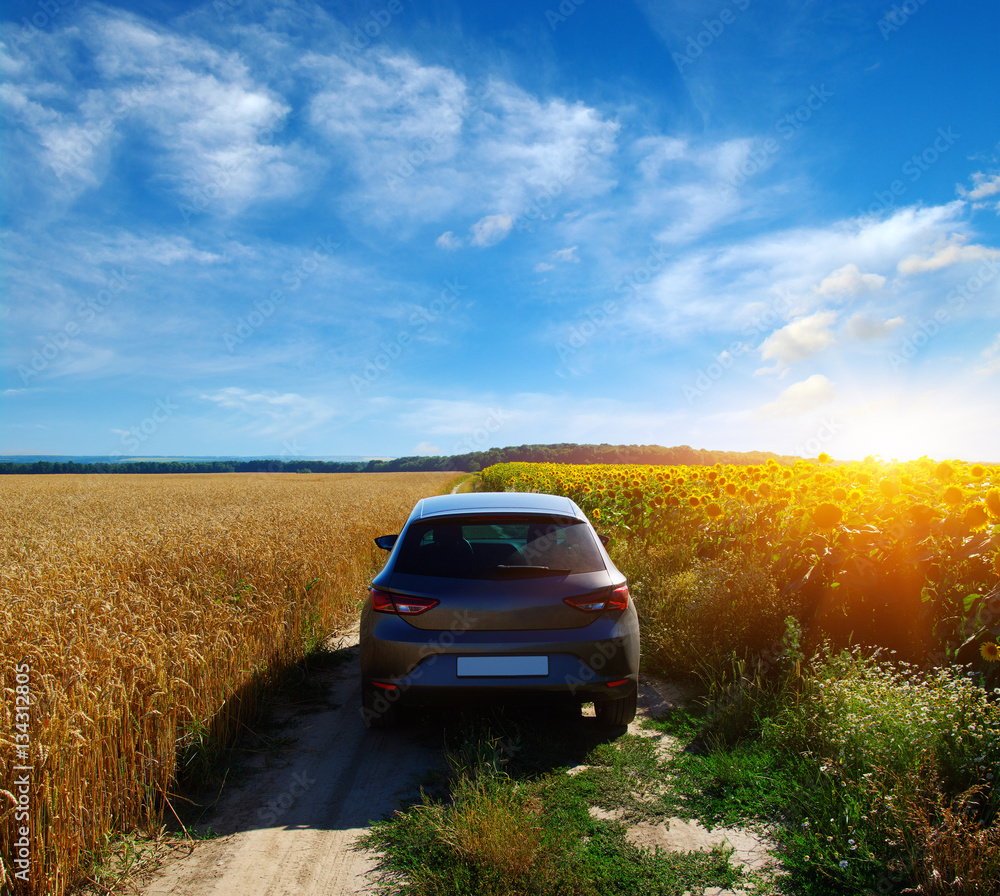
[(292, 829)]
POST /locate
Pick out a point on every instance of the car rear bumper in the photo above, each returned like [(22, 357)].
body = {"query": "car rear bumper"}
[(422, 667)]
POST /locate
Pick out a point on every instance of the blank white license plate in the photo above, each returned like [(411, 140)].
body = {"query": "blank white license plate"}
[(501, 666)]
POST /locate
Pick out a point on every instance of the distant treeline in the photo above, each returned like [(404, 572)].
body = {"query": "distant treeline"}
[(472, 462)]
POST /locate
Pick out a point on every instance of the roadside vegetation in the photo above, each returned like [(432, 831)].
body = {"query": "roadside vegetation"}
[(508, 820), (840, 623), (148, 618)]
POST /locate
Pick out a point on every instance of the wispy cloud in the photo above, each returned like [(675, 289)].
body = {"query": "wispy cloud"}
[(945, 254), (800, 398), (271, 414), (800, 339), (867, 329), (849, 281)]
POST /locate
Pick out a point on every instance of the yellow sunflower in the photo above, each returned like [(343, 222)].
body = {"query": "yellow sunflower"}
[(952, 495), (990, 652), (975, 517), (827, 515), (944, 471), (889, 488)]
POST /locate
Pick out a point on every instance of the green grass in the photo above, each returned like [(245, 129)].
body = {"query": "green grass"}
[(511, 822), (878, 777)]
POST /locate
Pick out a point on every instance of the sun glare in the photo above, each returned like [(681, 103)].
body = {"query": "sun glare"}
[(892, 435)]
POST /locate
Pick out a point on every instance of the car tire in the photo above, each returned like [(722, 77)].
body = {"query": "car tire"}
[(616, 713), (379, 713)]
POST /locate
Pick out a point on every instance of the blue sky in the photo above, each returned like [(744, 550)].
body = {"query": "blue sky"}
[(399, 227)]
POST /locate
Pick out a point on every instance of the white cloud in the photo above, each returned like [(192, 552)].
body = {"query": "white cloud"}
[(567, 255), (984, 185), (866, 329), (491, 230), (683, 189), (427, 449), (945, 254), (760, 282), (210, 126), (270, 413), (423, 142), (448, 240), (992, 356), (848, 280), (562, 256), (800, 339), (800, 398)]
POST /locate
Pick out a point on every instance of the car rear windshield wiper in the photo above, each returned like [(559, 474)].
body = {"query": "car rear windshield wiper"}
[(506, 570)]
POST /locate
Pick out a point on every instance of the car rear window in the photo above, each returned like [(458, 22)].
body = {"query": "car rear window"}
[(480, 547)]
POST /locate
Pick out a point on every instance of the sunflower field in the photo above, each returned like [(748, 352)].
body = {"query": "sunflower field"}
[(905, 556), (842, 620)]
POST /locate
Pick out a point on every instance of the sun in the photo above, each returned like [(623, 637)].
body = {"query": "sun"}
[(894, 436), (901, 428)]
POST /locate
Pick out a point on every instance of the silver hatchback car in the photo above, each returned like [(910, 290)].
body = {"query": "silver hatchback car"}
[(498, 597)]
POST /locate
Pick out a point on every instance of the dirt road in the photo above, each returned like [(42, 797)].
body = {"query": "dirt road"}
[(291, 829)]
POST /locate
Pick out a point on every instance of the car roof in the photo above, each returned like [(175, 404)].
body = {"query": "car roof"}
[(496, 502)]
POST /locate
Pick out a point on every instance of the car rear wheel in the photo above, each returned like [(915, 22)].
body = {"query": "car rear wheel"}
[(379, 710), (616, 713)]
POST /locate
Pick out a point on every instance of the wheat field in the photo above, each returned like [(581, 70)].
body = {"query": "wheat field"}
[(137, 609)]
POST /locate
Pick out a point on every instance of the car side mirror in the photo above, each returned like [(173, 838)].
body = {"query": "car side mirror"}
[(605, 539), (386, 542)]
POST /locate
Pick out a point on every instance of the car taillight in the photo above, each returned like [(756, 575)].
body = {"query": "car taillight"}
[(381, 601), (597, 603), (618, 599), (384, 602)]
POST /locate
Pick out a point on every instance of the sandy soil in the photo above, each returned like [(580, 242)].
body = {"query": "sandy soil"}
[(292, 828)]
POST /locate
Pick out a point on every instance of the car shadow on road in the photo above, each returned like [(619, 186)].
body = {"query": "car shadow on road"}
[(331, 773)]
